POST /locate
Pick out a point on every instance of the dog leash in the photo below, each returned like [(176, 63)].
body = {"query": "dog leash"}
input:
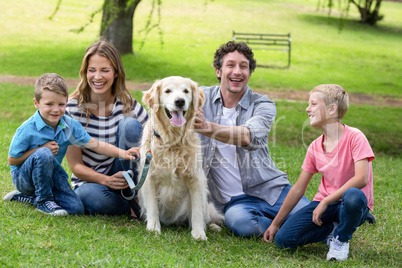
[(128, 175)]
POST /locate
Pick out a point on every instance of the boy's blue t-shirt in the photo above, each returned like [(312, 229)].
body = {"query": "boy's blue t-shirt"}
[(35, 132)]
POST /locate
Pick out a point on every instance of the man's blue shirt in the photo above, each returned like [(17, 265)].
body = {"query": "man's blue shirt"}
[(260, 178), (34, 132)]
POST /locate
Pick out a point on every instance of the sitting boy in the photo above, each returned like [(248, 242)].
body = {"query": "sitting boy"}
[(38, 148), (343, 157)]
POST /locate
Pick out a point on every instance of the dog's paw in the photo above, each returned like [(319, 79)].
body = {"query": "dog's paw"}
[(199, 234), (154, 227), (215, 227), (158, 232)]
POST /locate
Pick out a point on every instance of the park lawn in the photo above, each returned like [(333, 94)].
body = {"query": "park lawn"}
[(361, 58), (31, 239)]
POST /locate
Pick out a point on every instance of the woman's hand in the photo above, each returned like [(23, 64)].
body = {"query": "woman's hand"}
[(116, 181)]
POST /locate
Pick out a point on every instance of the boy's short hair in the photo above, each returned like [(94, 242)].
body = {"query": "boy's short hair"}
[(232, 46), (333, 93), (51, 82)]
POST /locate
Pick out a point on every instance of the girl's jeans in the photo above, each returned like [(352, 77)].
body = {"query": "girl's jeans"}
[(99, 199), (299, 229), (250, 216), (42, 177)]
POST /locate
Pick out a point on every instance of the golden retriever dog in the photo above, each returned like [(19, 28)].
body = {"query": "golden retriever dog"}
[(175, 190)]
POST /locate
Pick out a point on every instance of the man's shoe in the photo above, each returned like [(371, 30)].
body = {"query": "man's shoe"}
[(17, 196), (338, 250), (370, 218), (51, 208)]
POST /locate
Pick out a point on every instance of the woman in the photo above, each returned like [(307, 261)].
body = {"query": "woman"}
[(104, 106)]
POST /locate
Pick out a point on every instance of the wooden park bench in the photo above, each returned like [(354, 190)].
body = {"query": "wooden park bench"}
[(266, 41)]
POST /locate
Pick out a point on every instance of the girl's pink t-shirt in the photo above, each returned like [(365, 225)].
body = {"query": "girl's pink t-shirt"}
[(338, 166)]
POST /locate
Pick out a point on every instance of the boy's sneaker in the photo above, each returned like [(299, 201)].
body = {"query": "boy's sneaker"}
[(331, 235), (370, 218), (17, 196), (51, 208), (338, 250)]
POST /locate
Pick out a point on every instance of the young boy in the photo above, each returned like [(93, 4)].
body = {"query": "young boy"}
[(343, 156), (38, 148)]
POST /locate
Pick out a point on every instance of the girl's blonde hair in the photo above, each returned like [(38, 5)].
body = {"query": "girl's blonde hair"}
[(83, 91), (333, 93)]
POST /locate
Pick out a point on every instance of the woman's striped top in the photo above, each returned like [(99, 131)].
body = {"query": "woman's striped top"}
[(103, 129)]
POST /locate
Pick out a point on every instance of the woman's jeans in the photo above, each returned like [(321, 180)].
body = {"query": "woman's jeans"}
[(42, 177), (250, 216), (300, 229), (99, 199)]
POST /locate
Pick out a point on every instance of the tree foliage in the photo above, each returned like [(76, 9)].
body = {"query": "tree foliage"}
[(369, 9)]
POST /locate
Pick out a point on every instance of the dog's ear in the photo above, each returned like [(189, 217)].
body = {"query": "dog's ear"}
[(198, 95), (151, 96), (201, 100)]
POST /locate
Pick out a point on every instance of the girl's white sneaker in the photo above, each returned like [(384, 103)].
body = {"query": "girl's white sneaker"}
[(338, 250)]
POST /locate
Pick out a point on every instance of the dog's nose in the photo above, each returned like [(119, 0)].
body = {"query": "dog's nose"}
[(180, 102)]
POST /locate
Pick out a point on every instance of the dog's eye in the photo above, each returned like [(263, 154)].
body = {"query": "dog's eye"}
[(186, 91), (167, 91)]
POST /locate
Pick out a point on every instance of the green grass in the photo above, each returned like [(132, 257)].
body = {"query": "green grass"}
[(31, 239), (381, 125), (363, 59)]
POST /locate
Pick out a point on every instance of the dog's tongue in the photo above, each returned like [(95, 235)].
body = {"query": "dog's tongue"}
[(177, 118)]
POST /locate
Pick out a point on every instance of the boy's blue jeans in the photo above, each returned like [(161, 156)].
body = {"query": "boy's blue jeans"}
[(300, 229), (42, 176), (250, 216), (99, 199)]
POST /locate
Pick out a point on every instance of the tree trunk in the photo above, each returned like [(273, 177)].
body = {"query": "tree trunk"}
[(117, 23), (368, 15)]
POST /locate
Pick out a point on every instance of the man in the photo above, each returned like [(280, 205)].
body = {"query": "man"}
[(234, 123)]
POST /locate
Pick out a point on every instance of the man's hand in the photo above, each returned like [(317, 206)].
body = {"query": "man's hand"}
[(53, 146), (200, 124)]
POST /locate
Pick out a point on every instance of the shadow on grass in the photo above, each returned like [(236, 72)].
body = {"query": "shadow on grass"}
[(67, 63), (350, 24), (278, 67)]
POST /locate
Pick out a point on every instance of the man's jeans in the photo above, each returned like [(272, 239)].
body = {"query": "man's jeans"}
[(42, 177), (250, 216), (99, 199), (300, 229)]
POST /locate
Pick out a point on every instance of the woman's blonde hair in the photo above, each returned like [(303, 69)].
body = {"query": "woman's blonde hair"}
[(333, 93), (83, 91)]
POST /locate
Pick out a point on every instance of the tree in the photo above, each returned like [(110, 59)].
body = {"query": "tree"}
[(118, 22), (368, 9)]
